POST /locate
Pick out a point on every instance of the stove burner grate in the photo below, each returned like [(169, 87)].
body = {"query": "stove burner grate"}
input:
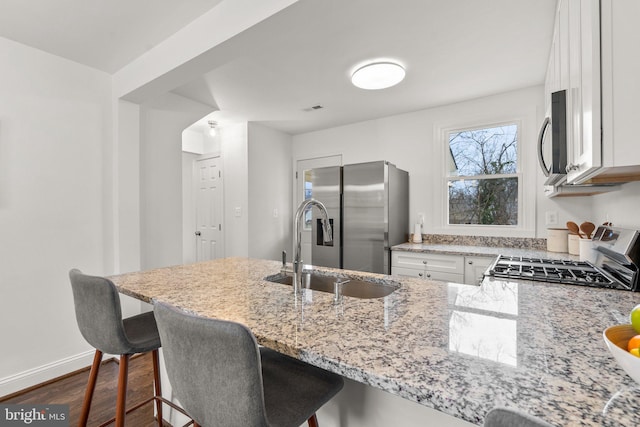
[(554, 271)]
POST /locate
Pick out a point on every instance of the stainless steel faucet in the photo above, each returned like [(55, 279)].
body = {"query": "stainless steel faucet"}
[(326, 231)]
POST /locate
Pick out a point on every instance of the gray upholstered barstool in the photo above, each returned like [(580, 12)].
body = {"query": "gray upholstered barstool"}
[(222, 377), (99, 318), (507, 417)]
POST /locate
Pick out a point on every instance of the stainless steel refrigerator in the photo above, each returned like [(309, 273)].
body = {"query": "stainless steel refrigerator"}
[(368, 206)]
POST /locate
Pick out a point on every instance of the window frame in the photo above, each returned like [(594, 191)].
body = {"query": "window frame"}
[(526, 207), (517, 174)]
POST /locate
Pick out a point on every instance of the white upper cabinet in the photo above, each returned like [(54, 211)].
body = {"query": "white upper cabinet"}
[(585, 144), (594, 56), (620, 34)]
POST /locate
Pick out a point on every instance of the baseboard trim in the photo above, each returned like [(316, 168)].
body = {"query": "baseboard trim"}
[(43, 373)]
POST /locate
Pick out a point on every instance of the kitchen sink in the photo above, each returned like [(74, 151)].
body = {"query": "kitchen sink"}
[(357, 288)]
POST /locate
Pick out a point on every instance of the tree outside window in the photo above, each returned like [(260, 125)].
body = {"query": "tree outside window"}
[(483, 176)]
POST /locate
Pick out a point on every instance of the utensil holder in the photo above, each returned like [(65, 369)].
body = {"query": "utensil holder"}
[(587, 252), (574, 244)]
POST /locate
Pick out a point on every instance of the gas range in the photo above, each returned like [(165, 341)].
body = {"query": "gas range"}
[(616, 266), (551, 270)]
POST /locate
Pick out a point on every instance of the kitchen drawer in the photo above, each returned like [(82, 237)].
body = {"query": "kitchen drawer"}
[(407, 272), (427, 275), (433, 262)]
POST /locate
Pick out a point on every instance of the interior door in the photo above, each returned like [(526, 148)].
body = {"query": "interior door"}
[(209, 234), (303, 191)]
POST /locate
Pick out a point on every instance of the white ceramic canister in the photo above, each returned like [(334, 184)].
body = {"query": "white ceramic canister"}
[(574, 244), (557, 239)]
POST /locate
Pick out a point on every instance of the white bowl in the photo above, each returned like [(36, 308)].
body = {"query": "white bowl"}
[(616, 338)]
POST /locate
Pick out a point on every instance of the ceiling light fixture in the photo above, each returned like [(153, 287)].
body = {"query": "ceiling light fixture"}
[(212, 125), (378, 75)]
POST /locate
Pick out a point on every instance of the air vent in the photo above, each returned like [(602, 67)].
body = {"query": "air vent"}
[(315, 107)]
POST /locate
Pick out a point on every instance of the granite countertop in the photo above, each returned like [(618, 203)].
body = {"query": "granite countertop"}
[(472, 250), (461, 349)]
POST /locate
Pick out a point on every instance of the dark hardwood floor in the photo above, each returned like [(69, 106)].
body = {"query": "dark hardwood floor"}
[(69, 390)]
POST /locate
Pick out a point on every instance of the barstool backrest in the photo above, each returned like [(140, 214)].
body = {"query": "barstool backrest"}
[(214, 368), (98, 313)]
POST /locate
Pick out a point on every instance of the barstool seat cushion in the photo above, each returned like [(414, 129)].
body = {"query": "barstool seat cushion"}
[(142, 332), (293, 390)]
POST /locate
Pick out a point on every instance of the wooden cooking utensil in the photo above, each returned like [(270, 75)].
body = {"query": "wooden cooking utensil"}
[(587, 228), (573, 228)]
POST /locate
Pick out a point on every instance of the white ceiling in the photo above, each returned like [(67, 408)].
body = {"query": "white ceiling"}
[(453, 50), (103, 34)]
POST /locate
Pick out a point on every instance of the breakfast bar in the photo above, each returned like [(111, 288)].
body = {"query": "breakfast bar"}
[(459, 349)]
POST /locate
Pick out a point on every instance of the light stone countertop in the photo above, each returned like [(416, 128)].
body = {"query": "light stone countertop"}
[(460, 349), (469, 250)]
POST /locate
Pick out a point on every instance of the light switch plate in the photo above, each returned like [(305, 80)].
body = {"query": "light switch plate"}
[(551, 218)]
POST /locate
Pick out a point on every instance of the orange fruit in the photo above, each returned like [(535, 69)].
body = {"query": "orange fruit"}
[(634, 343)]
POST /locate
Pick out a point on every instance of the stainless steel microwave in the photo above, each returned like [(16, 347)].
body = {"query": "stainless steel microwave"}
[(552, 146)]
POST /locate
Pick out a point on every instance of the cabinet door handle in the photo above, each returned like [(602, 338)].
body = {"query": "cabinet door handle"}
[(424, 262), (545, 169), (428, 275), (571, 167), (470, 262), (419, 274)]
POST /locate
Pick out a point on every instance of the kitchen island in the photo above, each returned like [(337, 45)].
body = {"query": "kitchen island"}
[(459, 349)]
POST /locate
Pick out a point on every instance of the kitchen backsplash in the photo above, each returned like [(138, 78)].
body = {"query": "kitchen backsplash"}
[(503, 242)]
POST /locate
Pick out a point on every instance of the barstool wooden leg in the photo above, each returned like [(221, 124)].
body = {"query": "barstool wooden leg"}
[(121, 400), (156, 382), (313, 421), (91, 386)]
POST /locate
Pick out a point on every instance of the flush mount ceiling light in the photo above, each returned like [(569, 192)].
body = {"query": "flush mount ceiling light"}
[(378, 75), (212, 125)]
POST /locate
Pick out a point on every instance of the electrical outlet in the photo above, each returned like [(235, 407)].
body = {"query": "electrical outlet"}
[(275, 212), (551, 218), (237, 211)]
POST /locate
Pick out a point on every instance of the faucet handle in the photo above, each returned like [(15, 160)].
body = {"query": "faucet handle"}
[(284, 259)]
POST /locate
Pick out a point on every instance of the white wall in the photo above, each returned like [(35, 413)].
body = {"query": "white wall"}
[(161, 126), (621, 207), (55, 117), (270, 189), (234, 151), (192, 141), (125, 206), (411, 142)]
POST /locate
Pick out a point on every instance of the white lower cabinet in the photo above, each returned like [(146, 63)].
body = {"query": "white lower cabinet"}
[(474, 268), (447, 268)]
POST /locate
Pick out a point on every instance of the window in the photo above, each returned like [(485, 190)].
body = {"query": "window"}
[(483, 176)]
